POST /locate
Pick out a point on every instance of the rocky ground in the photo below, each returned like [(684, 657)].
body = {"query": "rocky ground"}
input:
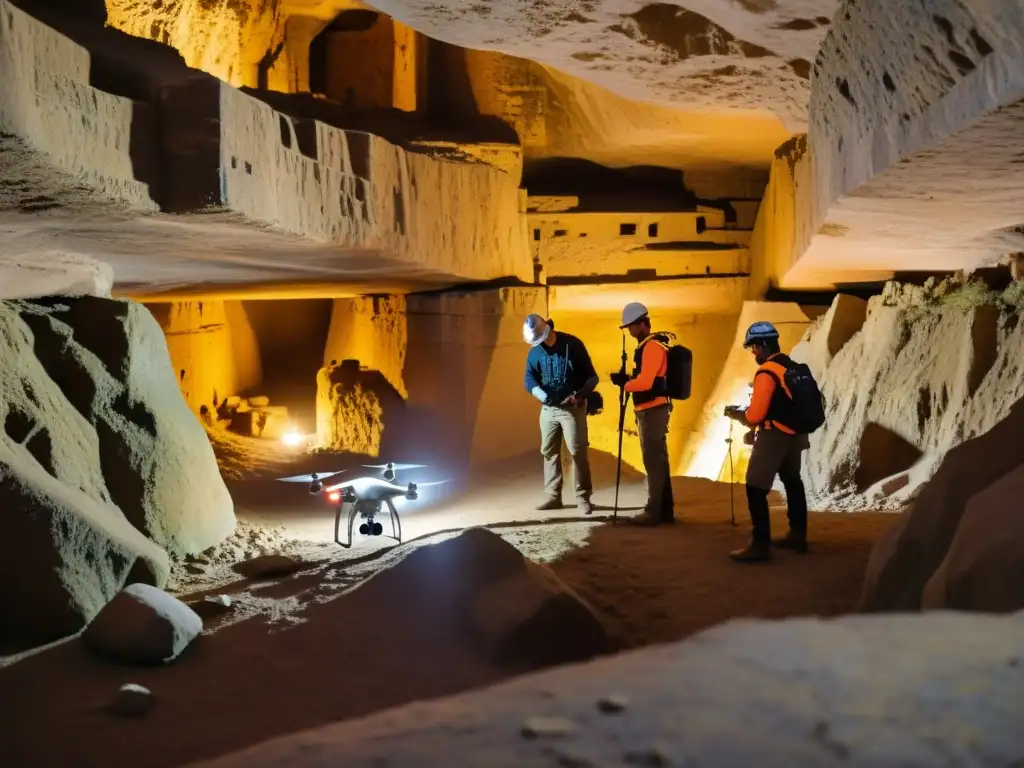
[(288, 644)]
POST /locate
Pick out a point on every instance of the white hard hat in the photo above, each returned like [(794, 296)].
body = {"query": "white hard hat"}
[(535, 330), (632, 312)]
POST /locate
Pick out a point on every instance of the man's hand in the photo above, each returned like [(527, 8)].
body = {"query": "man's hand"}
[(736, 412), (540, 394), (571, 401), (619, 378)]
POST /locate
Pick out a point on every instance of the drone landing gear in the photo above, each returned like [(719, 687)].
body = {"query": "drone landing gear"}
[(367, 510)]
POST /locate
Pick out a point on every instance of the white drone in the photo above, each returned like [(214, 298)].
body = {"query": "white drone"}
[(367, 496)]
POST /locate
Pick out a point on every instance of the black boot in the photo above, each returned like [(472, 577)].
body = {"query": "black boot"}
[(760, 548), (796, 502)]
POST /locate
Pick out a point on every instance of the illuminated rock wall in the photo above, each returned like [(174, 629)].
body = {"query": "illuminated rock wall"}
[(213, 349), (456, 358), (702, 314)]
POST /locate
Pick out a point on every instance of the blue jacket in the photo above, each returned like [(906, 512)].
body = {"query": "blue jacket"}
[(559, 370)]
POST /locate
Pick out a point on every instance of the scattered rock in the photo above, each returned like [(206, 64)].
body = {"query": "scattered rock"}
[(142, 625), (611, 705), (195, 570), (132, 700), (546, 727), (212, 607), (268, 566)]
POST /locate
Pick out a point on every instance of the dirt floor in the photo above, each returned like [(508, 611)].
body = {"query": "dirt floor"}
[(295, 652)]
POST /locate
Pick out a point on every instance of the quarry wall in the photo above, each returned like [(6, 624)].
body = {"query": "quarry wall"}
[(47, 106), (908, 377)]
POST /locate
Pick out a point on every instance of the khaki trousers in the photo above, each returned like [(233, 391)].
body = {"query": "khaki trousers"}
[(652, 425), (570, 423)]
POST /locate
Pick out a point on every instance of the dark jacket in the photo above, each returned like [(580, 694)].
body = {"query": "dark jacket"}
[(559, 370)]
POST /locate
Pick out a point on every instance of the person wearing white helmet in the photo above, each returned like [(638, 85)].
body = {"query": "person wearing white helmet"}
[(648, 386), (776, 450), (560, 374)]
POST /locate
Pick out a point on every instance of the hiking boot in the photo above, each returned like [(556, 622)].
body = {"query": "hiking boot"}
[(551, 503), (756, 552), (585, 507), (645, 518), (797, 542)]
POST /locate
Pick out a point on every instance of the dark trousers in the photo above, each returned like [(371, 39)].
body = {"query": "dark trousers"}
[(776, 453)]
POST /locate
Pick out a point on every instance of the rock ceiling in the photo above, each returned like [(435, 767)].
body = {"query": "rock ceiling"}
[(698, 54)]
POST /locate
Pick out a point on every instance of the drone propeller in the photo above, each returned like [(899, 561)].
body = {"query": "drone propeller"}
[(395, 467), (311, 478), (436, 482)]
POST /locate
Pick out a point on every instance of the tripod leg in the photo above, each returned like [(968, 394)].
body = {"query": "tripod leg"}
[(396, 523), (337, 526)]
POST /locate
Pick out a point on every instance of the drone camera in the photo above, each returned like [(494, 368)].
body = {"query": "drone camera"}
[(315, 487)]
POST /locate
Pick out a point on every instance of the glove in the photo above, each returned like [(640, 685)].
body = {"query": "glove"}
[(619, 378), (540, 394)]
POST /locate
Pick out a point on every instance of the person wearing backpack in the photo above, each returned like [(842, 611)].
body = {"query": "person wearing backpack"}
[(560, 374), (653, 406), (784, 408)]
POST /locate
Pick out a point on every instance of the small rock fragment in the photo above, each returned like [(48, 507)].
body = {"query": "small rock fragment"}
[(268, 566), (611, 705), (539, 727), (131, 700), (195, 570)]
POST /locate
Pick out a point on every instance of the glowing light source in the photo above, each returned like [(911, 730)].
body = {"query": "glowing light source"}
[(292, 438), (334, 496)]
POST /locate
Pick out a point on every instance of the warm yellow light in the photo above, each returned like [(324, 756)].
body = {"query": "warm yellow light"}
[(334, 496), (292, 438)]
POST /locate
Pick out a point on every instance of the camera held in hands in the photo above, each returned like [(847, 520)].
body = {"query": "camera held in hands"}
[(732, 410)]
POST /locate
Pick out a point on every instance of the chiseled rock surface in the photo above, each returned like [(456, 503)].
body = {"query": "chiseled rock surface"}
[(938, 690)]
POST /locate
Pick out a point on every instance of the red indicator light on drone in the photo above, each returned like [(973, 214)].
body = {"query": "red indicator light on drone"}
[(334, 496)]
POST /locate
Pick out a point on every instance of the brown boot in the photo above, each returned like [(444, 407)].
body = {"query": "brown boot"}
[(793, 540), (756, 552), (551, 503)]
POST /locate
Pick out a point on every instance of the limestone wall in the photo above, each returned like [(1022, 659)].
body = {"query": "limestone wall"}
[(47, 106), (706, 453), (670, 244), (364, 193), (213, 349), (907, 378), (455, 358), (702, 314)]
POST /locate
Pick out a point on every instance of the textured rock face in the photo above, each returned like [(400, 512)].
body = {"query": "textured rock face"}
[(697, 53), (925, 372), (984, 567), (103, 466), (916, 554), (946, 690), (902, 120), (101, 126)]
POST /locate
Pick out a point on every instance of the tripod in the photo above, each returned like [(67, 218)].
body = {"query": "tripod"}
[(623, 399), (732, 484)]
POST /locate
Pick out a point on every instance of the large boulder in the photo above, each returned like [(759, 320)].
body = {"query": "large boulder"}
[(103, 470), (142, 625), (514, 612), (935, 690), (984, 567), (908, 555)]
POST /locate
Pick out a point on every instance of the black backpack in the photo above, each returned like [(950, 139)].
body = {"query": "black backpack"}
[(679, 373), (806, 411)]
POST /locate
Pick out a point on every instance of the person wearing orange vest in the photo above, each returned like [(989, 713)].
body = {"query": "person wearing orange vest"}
[(653, 407), (776, 451)]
